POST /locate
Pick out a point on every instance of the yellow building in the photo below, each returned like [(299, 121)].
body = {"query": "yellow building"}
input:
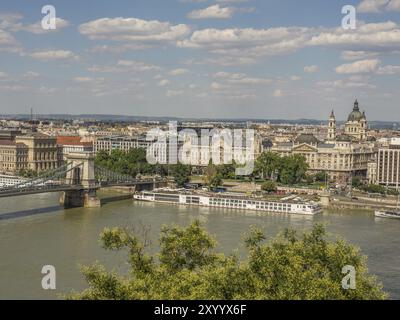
[(36, 152)]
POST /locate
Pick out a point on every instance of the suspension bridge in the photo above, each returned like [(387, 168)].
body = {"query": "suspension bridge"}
[(78, 180)]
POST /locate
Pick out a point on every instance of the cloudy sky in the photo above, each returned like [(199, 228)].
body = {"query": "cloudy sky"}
[(201, 58)]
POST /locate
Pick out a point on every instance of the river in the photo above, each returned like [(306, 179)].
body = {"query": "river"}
[(35, 231)]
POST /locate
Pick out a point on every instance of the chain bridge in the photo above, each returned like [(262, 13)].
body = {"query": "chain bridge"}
[(78, 180)]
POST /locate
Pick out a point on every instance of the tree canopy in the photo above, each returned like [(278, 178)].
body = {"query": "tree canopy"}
[(291, 266), (287, 170)]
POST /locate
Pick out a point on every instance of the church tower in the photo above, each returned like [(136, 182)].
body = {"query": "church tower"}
[(363, 129), (332, 127)]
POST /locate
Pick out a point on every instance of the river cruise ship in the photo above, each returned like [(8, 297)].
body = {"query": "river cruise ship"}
[(230, 202)]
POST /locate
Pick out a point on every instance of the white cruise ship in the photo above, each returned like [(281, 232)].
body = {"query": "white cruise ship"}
[(230, 202)]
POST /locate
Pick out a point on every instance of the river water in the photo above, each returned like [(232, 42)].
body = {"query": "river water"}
[(35, 231)]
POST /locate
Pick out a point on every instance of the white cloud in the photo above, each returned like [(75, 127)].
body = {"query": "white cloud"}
[(278, 93), (347, 84), (88, 80), (376, 6), (31, 75), (362, 66), (8, 42), (371, 6), (125, 66), (389, 70), (164, 82), (357, 55), (218, 86), (54, 55), (311, 69), (249, 45), (133, 30), (237, 79), (178, 72), (212, 12), (37, 28), (174, 93), (394, 5), (12, 22)]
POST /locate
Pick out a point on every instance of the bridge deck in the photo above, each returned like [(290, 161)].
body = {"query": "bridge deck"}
[(62, 188)]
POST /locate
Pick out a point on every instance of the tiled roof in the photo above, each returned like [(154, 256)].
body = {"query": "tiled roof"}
[(72, 141), (7, 143)]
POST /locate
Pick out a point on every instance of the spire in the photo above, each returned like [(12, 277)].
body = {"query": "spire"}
[(332, 115), (364, 116), (356, 108)]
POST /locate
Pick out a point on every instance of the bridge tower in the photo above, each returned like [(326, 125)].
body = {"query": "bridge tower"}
[(82, 181)]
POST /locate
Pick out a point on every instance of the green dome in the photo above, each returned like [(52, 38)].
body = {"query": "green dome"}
[(356, 114)]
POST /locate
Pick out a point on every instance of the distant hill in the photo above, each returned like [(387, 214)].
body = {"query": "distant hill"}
[(124, 118)]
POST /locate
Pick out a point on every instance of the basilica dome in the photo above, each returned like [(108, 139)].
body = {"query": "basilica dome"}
[(356, 114)]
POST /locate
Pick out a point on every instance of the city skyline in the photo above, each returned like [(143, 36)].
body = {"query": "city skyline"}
[(228, 59)]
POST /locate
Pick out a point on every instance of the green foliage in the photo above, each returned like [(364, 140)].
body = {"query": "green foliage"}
[(320, 176), (293, 169), (132, 162), (310, 178), (392, 192), (287, 170), (213, 177), (356, 182), (181, 174), (374, 188), (267, 164), (27, 173), (269, 186), (291, 266), (227, 171)]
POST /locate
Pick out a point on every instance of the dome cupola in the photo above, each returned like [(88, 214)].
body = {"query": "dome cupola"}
[(356, 114)]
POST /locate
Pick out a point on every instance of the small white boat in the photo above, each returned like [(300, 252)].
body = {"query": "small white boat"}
[(388, 214), (394, 214)]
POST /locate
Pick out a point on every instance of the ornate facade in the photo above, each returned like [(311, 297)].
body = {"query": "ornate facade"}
[(36, 152), (341, 155)]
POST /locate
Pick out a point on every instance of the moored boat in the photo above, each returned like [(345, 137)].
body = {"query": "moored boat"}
[(388, 214), (230, 202)]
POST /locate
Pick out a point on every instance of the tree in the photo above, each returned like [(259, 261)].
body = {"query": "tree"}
[(292, 266), (375, 188), (213, 178), (293, 169), (132, 162), (27, 173), (269, 186), (310, 178), (267, 164), (227, 171), (181, 174), (320, 176), (356, 182)]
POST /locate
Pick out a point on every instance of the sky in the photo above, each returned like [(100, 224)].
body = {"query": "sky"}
[(258, 59)]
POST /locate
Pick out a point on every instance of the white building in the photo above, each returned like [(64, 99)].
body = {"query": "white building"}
[(9, 181)]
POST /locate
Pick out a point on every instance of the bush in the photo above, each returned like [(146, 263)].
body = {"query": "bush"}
[(269, 186), (291, 267)]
